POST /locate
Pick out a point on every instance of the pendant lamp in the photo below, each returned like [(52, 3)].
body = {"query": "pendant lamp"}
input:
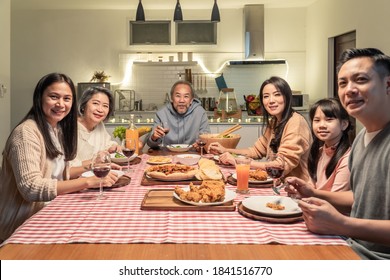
[(140, 16), (215, 13), (178, 15)]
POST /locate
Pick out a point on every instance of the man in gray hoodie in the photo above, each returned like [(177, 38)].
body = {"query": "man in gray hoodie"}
[(184, 118)]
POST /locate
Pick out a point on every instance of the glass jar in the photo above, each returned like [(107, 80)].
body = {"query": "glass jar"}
[(227, 101)]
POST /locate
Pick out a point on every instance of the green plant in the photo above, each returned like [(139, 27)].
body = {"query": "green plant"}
[(119, 132)]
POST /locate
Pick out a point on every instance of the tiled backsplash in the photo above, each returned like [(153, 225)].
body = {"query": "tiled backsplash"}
[(151, 81)]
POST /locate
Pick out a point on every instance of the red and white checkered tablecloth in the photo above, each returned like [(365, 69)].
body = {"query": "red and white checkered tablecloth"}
[(79, 218)]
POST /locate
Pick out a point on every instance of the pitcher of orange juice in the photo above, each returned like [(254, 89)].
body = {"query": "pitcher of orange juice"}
[(132, 133), (243, 165)]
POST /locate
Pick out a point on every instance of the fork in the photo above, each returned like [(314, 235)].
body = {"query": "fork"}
[(278, 188)]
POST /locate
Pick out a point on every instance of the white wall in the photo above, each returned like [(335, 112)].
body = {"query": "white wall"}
[(5, 71), (79, 42), (330, 18)]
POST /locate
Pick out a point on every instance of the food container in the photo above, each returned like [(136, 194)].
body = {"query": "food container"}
[(227, 101), (230, 141)]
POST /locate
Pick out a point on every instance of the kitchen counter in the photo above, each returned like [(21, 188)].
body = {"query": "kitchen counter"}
[(147, 118)]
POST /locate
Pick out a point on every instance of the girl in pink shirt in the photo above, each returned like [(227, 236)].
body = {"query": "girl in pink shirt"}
[(328, 159)]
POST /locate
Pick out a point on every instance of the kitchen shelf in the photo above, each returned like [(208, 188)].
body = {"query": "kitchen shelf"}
[(166, 63)]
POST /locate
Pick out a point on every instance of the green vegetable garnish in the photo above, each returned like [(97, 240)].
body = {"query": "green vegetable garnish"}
[(118, 155)]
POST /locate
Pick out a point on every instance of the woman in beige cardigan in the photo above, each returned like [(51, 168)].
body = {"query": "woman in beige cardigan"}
[(286, 132), (36, 155)]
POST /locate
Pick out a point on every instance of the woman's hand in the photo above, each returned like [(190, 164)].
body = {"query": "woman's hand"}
[(227, 158), (114, 148), (115, 166), (108, 181), (216, 148)]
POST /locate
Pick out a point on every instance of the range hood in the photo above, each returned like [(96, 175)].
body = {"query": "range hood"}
[(254, 37)]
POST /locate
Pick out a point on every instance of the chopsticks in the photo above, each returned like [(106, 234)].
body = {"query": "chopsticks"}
[(229, 130)]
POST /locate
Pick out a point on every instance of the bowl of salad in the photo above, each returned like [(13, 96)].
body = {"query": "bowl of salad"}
[(121, 158), (179, 148)]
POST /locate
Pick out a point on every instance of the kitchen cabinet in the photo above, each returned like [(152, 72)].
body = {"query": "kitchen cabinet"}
[(150, 32), (196, 33)]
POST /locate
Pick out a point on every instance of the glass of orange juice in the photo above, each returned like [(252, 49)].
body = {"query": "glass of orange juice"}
[(243, 165)]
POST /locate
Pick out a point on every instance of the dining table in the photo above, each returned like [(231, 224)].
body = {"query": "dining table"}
[(77, 226)]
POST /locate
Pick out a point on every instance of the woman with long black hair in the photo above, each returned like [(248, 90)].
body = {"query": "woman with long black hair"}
[(286, 132)]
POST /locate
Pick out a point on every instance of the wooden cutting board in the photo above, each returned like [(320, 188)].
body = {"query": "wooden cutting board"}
[(162, 199), (147, 181)]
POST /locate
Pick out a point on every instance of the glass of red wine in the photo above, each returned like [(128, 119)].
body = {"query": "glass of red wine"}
[(165, 127), (101, 166), (128, 150), (201, 145), (275, 169)]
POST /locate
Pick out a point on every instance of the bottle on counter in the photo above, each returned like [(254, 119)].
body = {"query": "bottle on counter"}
[(132, 133)]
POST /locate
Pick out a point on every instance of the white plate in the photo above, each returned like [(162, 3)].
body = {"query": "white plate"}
[(188, 159), (121, 160), (258, 204), (269, 180), (168, 160), (90, 173), (229, 196), (179, 147)]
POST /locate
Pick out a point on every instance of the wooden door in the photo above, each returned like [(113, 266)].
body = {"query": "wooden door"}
[(341, 43)]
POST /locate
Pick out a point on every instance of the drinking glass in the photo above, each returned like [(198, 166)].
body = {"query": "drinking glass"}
[(128, 149), (243, 165), (101, 166), (166, 129), (275, 169), (201, 145)]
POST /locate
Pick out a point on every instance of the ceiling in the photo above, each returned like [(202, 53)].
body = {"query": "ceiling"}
[(152, 4)]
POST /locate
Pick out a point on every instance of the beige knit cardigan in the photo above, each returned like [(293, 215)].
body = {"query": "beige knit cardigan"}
[(25, 178)]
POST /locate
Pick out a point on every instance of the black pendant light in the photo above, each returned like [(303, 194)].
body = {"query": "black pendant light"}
[(178, 15), (140, 16), (215, 13)]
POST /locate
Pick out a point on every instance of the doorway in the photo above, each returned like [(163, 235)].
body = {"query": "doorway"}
[(340, 44)]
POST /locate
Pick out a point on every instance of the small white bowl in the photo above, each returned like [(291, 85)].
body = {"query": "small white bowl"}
[(121, 159), (179, 148), (188, 159)]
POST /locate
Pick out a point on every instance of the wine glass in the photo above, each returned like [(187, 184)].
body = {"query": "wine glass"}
[(164, 125), (128, 149), (101, 166), (275, 169), (201, 145)]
